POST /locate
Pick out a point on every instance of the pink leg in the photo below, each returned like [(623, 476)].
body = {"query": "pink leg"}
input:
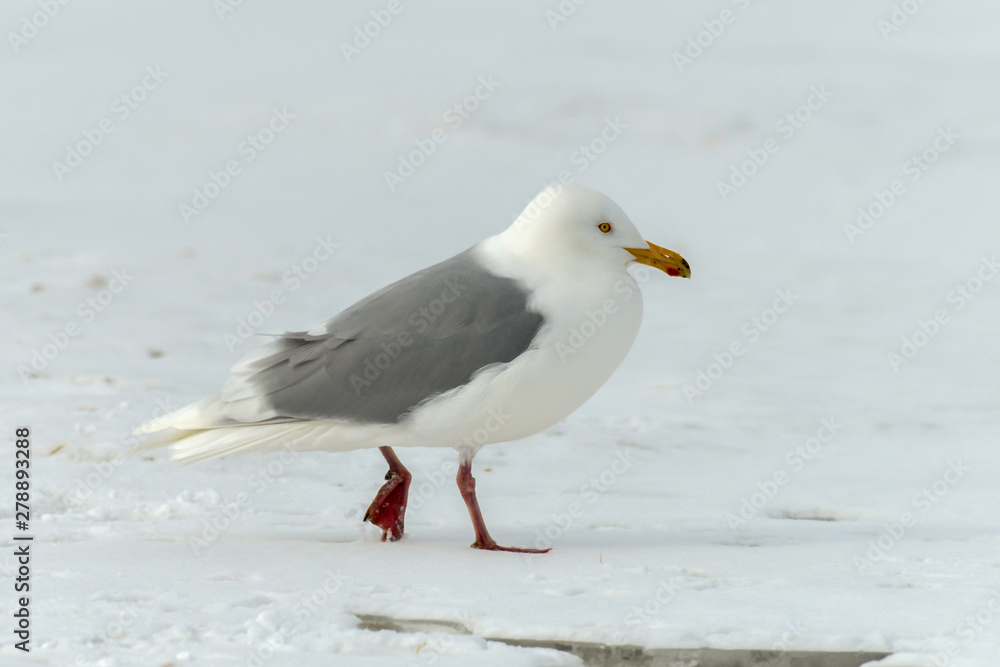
[(467, 486), (389, 507)]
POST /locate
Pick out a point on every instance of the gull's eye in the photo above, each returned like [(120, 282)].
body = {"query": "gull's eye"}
[(605, 227)]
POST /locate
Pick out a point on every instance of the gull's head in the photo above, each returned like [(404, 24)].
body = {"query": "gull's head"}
[(572, 224)]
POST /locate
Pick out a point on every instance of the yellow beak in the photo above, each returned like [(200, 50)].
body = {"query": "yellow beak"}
[(665, 260)]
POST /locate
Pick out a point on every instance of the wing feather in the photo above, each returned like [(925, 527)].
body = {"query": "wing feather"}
[(419, 337)]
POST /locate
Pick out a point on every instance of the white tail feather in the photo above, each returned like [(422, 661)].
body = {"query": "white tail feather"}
[(202, 431), (206, 413)]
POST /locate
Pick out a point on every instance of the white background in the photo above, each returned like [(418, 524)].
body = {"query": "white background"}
[(118, 578)]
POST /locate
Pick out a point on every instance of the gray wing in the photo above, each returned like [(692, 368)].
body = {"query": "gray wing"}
[(373, 363)]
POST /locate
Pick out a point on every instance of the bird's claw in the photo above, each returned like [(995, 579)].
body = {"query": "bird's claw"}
[(493, 546), (388, 509)]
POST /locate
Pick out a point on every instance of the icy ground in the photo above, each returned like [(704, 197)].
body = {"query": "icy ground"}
[(819, 478)]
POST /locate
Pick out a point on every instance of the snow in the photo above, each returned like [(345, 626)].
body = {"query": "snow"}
[(866, 481)]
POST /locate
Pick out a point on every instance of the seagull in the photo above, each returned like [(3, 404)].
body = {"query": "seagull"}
[(495, 344)]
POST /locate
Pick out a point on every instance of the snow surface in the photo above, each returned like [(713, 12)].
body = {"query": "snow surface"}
[(139, 561)]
